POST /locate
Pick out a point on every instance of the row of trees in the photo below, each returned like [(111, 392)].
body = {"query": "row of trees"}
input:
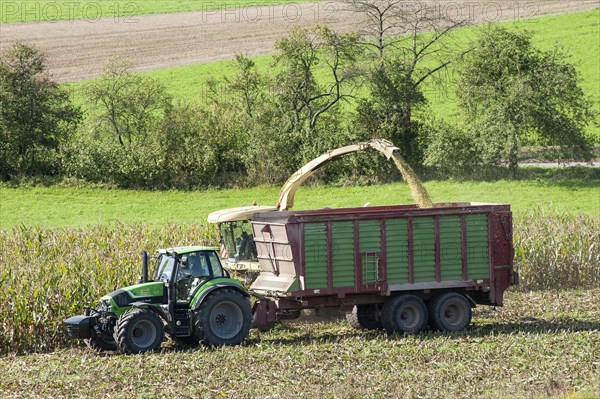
[(324, 90)]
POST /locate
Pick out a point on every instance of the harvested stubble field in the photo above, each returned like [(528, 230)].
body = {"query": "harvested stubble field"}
[(540, 345)]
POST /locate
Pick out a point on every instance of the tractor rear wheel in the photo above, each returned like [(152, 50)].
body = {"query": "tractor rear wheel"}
[(364, 317), (139, 330), (223, 318), (450, 312), (404, 314)]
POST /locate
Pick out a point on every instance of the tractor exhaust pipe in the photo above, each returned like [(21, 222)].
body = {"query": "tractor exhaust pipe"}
[(145, 258)]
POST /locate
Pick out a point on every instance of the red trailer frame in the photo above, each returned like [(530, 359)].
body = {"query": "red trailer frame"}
[(280, 239)]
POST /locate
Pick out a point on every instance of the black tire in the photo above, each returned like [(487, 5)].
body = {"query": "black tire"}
[(223, 318), (139, 330), (100, 344), (365, 317), (404, 314), (450, 312)]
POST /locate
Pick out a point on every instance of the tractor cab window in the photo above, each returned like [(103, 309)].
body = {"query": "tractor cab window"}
[(193, 269), (238, 240), (193, 265), (164, 271), (215, 264)]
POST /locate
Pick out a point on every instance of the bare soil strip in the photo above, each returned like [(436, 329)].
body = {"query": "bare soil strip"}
[(77, 50)]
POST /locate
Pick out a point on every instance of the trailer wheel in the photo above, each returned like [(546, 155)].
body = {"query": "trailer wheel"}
[(223, 318), (364, 317), (450, 312), (404, 314), (139, 330)]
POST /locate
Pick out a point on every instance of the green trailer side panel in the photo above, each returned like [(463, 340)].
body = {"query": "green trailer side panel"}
[(370, 235), (423, 249), (477, 247), (450, 248), (396, 234), (315, 255), (342, 237), (369, 232)]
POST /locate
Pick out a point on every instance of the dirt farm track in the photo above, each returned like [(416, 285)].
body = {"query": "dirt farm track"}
[(77, 49)]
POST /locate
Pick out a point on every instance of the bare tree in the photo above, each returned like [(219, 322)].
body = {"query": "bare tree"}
[(409, 43)]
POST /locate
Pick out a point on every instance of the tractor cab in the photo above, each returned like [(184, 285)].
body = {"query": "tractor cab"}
[(188, 268), (238, 249)]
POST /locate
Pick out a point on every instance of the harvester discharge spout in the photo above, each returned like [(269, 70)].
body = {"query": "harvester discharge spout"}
[(418, 192)]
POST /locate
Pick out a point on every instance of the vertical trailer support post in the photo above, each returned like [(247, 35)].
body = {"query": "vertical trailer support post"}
[(411, 254), (436, 249)]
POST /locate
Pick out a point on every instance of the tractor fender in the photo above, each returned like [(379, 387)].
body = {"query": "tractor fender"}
[(156, 309), (197, 302)]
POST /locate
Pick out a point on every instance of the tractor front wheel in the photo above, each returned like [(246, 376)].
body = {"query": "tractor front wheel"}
[(139, 330), (223, 318)]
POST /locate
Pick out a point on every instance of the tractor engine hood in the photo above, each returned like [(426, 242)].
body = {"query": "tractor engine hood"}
[(152, 293)]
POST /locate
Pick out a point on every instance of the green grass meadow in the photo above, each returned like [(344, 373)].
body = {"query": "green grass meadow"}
[(65, 207)]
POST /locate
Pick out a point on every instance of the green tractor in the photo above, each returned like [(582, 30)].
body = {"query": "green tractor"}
[(191, 298)]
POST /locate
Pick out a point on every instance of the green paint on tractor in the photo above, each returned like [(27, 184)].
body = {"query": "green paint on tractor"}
[(190, 298)]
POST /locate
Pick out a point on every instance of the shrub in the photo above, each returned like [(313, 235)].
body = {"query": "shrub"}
[(450, 149), (36, 115)]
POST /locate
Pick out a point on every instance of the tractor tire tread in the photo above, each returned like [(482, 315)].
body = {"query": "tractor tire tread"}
[(361, 318), (124, 323), (99, 345), (202, 330)]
